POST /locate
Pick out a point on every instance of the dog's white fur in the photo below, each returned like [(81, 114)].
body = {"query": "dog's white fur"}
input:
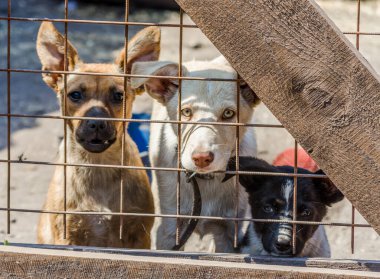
[(208, 99)]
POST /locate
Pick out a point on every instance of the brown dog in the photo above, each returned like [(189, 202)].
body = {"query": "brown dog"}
[(96, 142)]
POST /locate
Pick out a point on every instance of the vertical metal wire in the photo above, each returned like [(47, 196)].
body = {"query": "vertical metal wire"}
[(353, 208), (237, 151), (9, 120), (353, 230), (65, 68), (294, 235), (179, 130), (358, 25), (126, 33)]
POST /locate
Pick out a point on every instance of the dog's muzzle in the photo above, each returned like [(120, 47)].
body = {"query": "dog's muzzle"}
[(96, 135), (283, 241), (280, 243)]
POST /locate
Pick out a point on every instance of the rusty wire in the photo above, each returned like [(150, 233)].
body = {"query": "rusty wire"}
[(112, 75), (135, 23), (179, 131), (123, 163), (9, 120), (175, 216), (8, 209), (65, 68), (357, 47), (161, 168), (102, 22), (237, 163), (141, 120), (295, 181)]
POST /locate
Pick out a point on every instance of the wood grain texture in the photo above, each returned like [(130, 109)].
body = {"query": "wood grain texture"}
[(39, 263), (348, 264), (312, 79)]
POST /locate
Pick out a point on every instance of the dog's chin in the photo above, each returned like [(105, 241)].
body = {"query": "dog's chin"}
[(96, 145), (205, 170)]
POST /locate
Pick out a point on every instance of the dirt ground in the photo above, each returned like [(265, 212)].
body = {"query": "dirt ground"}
[(37, 140)]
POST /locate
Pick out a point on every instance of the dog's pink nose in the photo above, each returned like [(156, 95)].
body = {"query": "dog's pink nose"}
[(203, 159)]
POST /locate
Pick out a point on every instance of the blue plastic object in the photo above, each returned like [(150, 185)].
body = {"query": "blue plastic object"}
[(139, 132)]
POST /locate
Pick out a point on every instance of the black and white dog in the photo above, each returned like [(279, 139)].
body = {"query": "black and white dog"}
[(271, 197)]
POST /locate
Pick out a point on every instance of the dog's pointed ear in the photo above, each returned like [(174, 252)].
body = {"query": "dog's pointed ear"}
[(144, 46), (250, 182), (51, 51), (248, 94), (329, 193), (161, 89)]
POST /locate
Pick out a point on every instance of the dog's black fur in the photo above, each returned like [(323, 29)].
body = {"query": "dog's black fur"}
[(271, 197)]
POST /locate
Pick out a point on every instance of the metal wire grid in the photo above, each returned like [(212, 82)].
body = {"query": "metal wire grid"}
[(124, 164)]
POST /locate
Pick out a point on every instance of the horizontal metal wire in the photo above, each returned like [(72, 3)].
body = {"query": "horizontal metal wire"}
[(362, 33), (136, 23), (105, 22), (183, 216), (21, 161), (115, 75), (56, 117)]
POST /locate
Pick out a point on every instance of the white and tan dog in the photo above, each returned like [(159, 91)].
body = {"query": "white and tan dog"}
[(204, 148)]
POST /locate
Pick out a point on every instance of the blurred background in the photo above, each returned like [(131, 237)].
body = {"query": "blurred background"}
[(38, 139)]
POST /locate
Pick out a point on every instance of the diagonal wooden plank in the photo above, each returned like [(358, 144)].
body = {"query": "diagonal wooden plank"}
[(311, 78)]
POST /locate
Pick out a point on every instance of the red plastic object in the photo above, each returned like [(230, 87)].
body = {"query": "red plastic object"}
[(286, 158)]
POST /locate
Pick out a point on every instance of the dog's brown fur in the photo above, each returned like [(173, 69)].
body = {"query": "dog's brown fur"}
[(94, 188)]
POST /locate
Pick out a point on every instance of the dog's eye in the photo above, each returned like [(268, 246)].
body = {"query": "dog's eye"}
[(305, 212), (228, 114), (187, 112), (75, 96), (117, 97), (267, 208)]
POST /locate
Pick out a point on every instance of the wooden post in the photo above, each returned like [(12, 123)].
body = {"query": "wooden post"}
[(312, 79)]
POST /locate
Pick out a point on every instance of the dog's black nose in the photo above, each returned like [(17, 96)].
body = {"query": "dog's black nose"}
[(96, 125), (283, 244)]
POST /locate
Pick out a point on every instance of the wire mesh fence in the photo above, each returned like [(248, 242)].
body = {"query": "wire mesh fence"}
[(9, 69)]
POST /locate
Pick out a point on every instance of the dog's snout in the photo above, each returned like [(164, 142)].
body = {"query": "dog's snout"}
[(203, 159), (96, 135), (96, 125), (283, 243)]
